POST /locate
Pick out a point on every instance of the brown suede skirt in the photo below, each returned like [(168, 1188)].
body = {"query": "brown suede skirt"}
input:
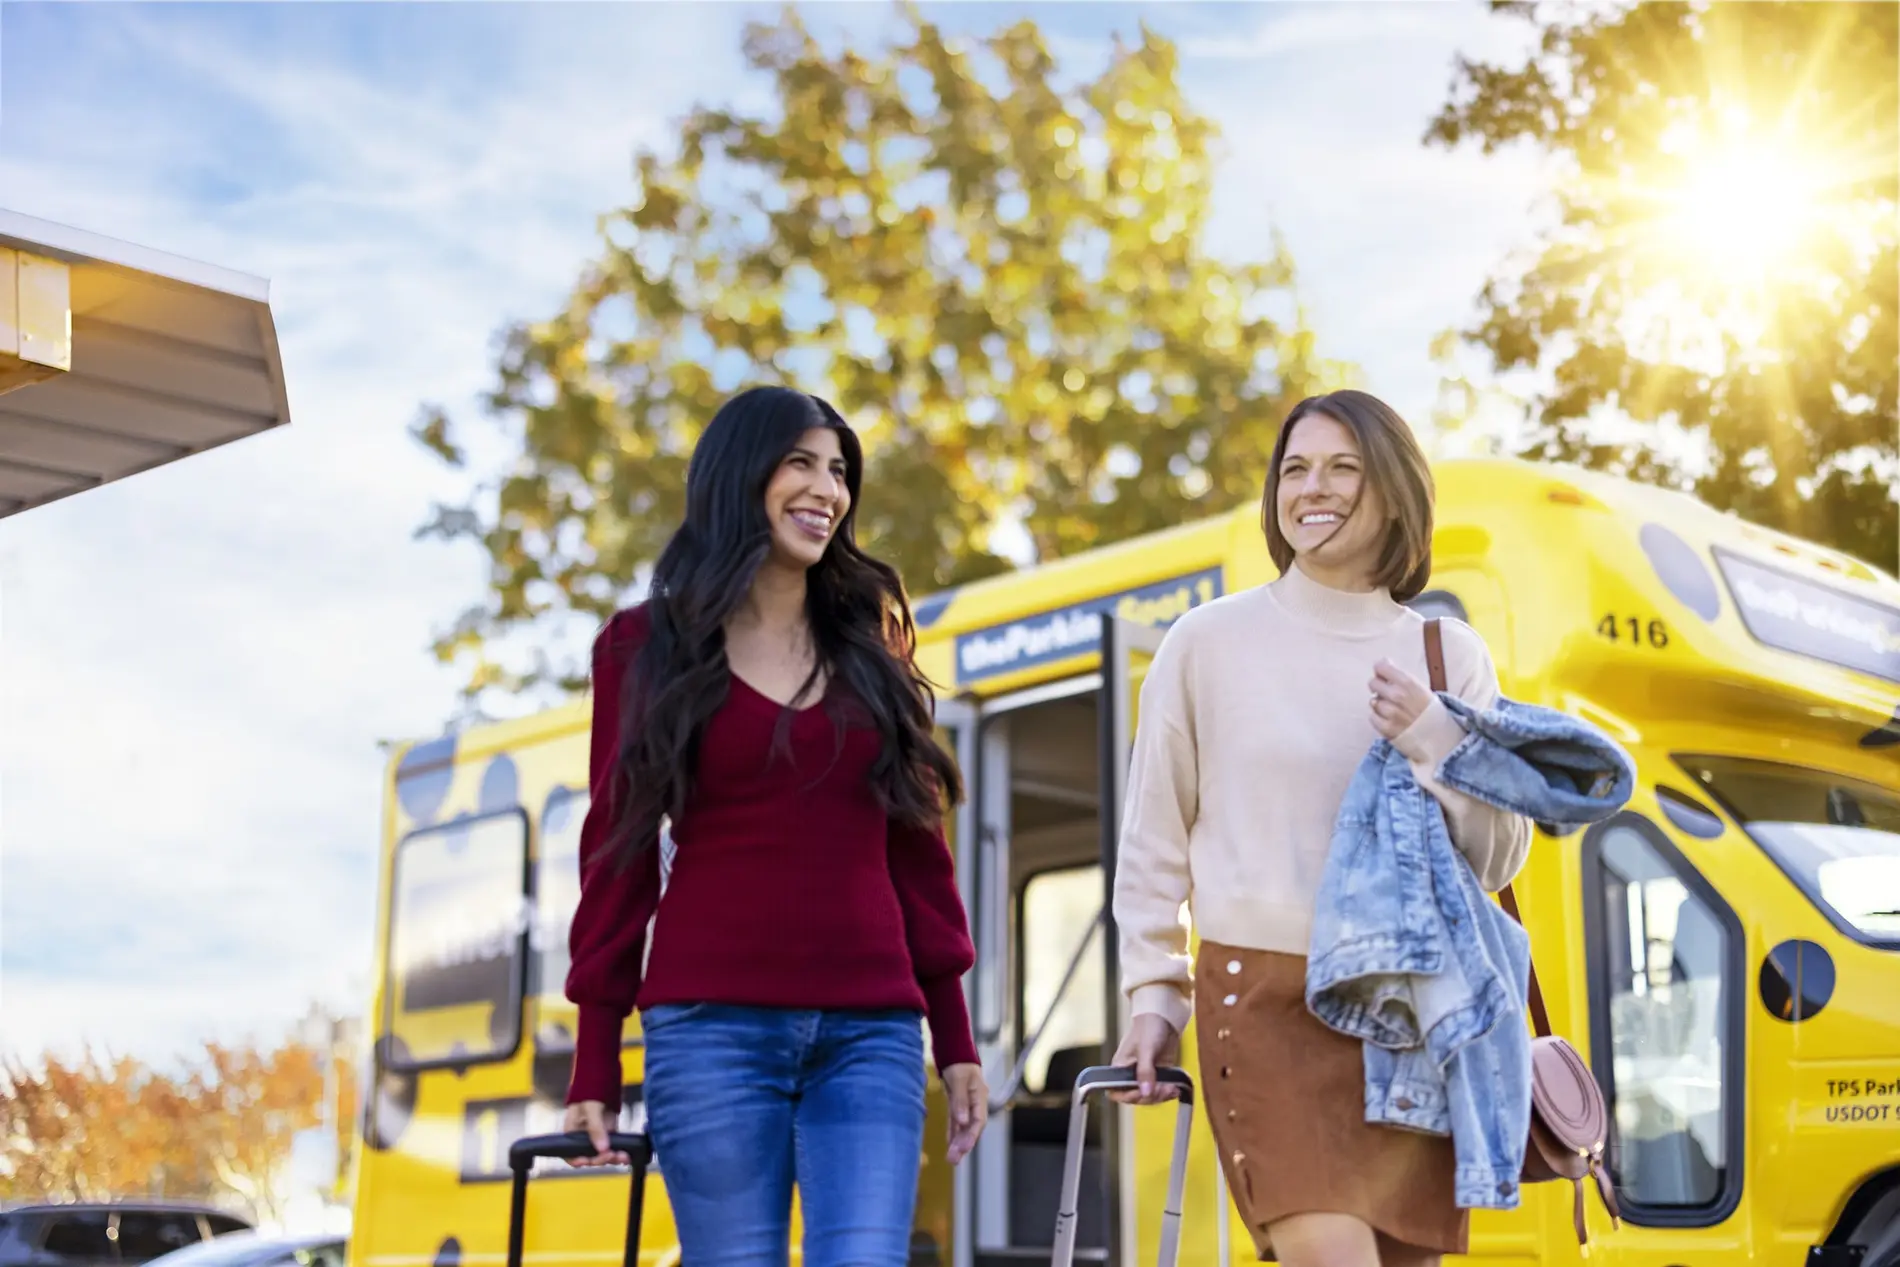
[(1286, 1098)]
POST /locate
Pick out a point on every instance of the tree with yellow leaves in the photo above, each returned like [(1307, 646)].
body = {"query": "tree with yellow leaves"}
[(49, 1115), (251, 1103), (996, 268), (92, 1129)]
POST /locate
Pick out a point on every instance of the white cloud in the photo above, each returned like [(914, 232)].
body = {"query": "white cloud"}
[(1322, 130), (195, 665)]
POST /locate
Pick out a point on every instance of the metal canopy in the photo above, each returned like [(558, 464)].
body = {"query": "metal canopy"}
[(169, 357)]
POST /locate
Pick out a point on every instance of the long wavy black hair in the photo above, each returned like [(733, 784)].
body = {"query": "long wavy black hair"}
[(861, 625)]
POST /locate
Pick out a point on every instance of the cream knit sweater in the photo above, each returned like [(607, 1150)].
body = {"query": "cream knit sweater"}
[(1253, 718)]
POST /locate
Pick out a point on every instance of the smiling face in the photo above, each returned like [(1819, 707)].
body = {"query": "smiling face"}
[(1349, 496), (1328, 511), (806, 499)]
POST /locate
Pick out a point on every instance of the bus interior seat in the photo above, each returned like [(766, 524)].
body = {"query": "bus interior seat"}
[(1669, 1169), (1039, 1136), (1049, 1123), (1066, 1065)]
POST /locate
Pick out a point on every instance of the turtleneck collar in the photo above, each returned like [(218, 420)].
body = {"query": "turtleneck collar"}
[(1342, 613)]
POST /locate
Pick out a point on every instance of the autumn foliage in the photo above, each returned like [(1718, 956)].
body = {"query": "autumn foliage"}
[(995, 266), (219, 1129)]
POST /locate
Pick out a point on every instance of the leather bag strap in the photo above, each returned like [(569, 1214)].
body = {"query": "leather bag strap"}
[(1435, 664)]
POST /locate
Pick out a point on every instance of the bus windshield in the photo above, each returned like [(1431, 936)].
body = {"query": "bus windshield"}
[(1837, 838)]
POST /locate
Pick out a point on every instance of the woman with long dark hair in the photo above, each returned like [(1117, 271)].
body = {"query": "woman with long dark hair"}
[(763, 702)]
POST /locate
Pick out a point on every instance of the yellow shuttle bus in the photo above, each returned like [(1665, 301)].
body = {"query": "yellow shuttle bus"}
[(1726, 952)]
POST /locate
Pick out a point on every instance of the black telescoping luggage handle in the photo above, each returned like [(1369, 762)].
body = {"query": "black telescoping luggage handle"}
[(523, 1153), (1122, 1078)]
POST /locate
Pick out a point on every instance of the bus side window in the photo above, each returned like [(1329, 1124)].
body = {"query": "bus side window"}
[(1662, 968), (557, 892), (1059, 909), (456, 919), (1437, 602)]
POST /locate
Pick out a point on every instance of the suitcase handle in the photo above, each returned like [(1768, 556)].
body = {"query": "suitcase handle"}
[(1122, 1078), (524, 1152), (569, 1145), (1094, 1081)]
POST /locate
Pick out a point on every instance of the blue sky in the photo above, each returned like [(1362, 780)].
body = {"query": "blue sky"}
[(196, 665)]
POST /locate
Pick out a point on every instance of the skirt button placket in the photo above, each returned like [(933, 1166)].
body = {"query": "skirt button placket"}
[(1223, 1034)]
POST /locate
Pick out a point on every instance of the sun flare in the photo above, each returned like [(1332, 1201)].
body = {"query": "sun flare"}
[(1744, 209), (1736, 214)]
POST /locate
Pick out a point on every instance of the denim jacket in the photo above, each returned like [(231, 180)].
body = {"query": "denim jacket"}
[(1410, 956)]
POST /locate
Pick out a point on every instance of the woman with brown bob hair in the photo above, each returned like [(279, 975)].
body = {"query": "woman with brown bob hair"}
[(1254, 717)]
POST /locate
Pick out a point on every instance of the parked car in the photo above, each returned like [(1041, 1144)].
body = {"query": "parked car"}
[(249, 1249), (106, 1234)]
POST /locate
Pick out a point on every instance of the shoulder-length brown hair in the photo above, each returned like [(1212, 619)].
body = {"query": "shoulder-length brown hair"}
[(1394, 465)]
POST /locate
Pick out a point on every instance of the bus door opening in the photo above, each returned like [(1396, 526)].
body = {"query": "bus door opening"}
[(1051, 763)]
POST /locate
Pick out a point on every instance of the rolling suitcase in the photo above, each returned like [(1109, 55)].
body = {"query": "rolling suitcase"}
[(522, 1155), (1104, 1078)]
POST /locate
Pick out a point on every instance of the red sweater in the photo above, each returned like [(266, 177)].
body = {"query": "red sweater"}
[(790, 887)]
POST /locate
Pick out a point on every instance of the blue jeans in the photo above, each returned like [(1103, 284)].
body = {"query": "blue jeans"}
[(744, 1101)]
